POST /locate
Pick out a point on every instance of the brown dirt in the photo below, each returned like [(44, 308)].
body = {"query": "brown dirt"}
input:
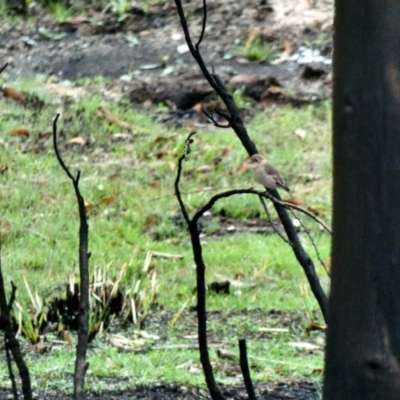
[(297, 391), (146, 50)]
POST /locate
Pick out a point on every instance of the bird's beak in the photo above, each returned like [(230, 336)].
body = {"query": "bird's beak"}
[(245, 166), (250, 163)]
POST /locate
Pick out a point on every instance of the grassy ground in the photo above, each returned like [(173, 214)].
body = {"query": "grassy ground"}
[(128, 187)]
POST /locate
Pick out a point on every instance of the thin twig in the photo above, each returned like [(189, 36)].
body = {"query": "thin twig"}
[(58, 155), (3, 67), (178, 195), (195, 50), (314, 245), (12, 296), (203, 26), (269, 196), (6, 343), (301, 209), (272, 223), (222, 114), (214, 121)]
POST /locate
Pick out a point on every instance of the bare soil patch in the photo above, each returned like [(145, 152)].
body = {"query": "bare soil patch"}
[(148, 51), (298, 391)]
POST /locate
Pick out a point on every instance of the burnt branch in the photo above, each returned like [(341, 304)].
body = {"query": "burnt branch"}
[(188, 142), (192, 224), (309, 267), (236, 123), (6, 345), (302, 210), (11, 343), (244, 366), (81, 365), (314, 245), (194, 49), (272, 223), (10, 371), (203, 26), (262, 194), (200, 284), (222, 114), (220, 196), (214, 121), (12, 297)]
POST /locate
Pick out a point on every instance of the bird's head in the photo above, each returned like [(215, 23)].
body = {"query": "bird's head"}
[(255, 160)]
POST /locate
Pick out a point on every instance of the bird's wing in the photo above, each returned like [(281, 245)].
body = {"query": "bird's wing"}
[(271, 170), (281, 183)]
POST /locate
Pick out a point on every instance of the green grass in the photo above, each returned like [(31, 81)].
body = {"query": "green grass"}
[(259, 51), (40, 219)]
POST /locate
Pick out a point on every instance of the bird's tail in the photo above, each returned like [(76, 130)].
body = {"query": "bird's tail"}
[(283, 186)]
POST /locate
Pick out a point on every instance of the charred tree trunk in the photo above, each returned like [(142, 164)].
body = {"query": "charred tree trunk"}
[(363, 347)]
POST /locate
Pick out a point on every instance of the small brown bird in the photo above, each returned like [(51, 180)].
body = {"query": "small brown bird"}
[(266, 174)]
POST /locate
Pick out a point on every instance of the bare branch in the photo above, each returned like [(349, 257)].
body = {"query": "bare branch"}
[(272, 224), (301, 209), (244, 366), (214, 121), (59, 158), (237, 125), (12, 297), (203, 26), (188, 142), (81, 365), (220, 196), (9, 367), (223, 114), (3, 67), (200, 284), (314, 245), (11, 343), (195, 50)]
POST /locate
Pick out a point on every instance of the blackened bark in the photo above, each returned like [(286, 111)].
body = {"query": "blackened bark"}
[(81, 365), (11, 342), (363, 346), (244, 366)]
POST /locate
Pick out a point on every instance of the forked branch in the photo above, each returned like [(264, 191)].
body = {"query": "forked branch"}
[(11, 342), (81, 365), (192, 224), (236, 123), (200, 282)]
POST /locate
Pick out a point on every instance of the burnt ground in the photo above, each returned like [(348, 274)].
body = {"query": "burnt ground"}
[(145, 57), (298, 391), (226, 326)]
